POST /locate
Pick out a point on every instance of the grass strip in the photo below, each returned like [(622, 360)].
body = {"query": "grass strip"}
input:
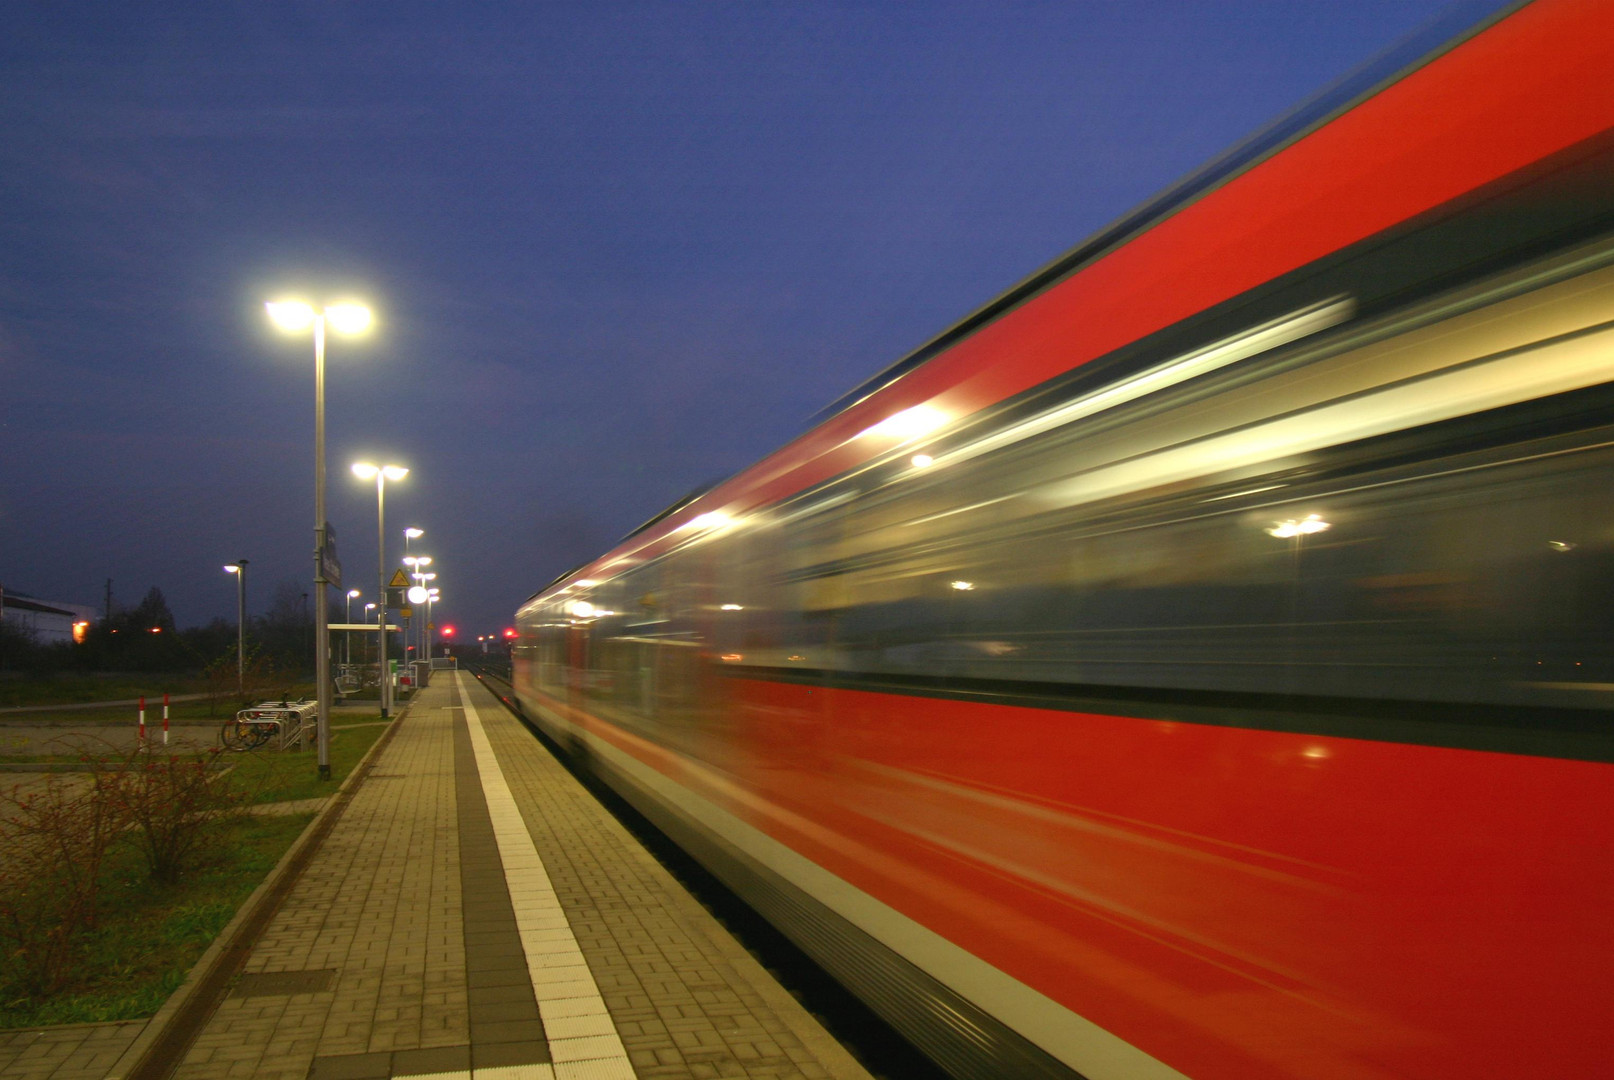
[(150, 935)]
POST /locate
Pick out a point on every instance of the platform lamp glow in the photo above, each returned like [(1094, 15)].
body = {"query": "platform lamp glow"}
[(381, 474), (348, 319), (239, 569)]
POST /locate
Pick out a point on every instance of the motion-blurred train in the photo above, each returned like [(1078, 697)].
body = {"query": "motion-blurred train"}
[(1199, 661)]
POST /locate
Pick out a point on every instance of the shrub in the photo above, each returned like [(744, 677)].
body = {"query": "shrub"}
[(54, 838), (179, 805)]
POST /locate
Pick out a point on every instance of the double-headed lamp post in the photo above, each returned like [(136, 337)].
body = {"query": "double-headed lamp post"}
[(381, 474), (411, 533), (348, 319), (416, 564), (239, 569)]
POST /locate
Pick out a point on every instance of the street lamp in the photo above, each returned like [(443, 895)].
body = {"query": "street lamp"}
[(239, 569), (425, 627), (381, 474), (348, 319), (347, 635), (410, 533)]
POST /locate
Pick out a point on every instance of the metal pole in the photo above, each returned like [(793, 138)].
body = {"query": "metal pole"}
[(241, 627), (322, 621), (381, 606)]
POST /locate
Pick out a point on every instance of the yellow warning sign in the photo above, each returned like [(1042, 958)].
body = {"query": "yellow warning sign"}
[(398, 580)]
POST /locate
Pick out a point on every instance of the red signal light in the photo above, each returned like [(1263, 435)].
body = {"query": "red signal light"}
[(448, 631), (509, 633)]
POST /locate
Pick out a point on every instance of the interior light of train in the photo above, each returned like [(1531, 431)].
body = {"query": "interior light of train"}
[(580, 608), (583, 583), (1562, 545), (714, 519), (922, 461), (1311, 523), (732, 607), (1252, 342), (908, 424), (1568, 362), (1241, 494), (963, 586), (732, 657)]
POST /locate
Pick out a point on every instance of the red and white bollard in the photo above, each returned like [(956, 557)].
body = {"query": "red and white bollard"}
[(142, 718), (165, 718)]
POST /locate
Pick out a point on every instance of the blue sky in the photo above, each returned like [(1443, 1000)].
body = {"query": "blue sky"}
[(617, 249)]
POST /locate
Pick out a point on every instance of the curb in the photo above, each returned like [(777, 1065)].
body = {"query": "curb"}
[(162, 1043)]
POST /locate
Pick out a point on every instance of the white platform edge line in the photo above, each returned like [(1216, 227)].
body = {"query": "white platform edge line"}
[(520, 855)]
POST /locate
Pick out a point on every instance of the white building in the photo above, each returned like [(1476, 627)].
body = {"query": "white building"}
[(47, 621)]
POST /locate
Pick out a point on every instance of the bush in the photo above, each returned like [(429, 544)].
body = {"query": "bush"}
[(174, 807), (56, 838), (178, 806)]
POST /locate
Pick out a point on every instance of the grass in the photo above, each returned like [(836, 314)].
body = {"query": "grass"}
[(150, 935), (67, 689), (286, 775), (178, 711)]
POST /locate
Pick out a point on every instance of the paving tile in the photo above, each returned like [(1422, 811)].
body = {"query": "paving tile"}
[(562, 939)]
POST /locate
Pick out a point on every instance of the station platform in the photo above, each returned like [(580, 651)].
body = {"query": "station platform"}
[(475, 912)]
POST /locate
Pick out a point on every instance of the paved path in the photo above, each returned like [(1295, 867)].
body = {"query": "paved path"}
[(475, 912), (65, 1052), (126, 702)]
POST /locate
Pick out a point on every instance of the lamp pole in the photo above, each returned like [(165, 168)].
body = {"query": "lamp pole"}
[(381, 473), (411, 533), (367, 608), (239, 569), (295, 316), (347, 635)]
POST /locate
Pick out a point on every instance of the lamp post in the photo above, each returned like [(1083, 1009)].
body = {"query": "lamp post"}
[(381, 474), (415, 564), (410, 533), (367, 609), (239, 569), (347, 635), (293, 317), (431, 598)]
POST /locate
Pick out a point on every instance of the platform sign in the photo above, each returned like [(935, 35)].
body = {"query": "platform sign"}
[(406, 612), (330, 568), (399, 580)]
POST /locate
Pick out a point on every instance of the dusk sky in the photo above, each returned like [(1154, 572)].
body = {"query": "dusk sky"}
[(617, 250)]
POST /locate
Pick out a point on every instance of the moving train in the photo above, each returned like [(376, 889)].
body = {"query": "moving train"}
[(1197, 662)]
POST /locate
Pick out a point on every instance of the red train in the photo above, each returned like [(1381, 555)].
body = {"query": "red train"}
[(1198, 662)]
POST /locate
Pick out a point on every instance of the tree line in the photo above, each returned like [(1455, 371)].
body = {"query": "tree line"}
[(144, 638)]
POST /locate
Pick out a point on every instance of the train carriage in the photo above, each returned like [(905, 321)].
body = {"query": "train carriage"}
[(1198, 662)]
